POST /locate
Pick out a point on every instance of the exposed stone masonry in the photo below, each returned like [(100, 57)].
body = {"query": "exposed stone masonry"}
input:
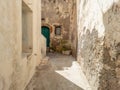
[(63, 13), (110, 75), (99, 42)]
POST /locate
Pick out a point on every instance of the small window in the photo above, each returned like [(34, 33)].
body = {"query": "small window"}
[(57, 30)]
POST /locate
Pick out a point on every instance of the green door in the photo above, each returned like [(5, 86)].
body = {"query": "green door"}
[(46, 34)]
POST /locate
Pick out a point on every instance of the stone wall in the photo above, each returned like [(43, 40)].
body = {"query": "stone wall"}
[(110, 74), (60, 13), (17, 67), (73, 27), (98, 42)]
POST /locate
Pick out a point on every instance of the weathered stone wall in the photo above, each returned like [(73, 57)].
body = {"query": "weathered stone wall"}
[(56, 12), (16, 67), (73, 27), (110, 74), (98, 42), (60, 12)]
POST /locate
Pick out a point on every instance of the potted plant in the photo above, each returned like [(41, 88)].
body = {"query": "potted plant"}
[(66, 50)]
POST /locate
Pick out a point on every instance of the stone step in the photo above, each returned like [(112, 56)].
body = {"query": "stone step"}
[(45, 60)]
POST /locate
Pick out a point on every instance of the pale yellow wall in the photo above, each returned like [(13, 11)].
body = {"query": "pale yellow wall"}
[(17, 68), (10, 29)]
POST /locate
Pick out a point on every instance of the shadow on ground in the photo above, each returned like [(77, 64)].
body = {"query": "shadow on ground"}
[(46, 78), (59, 61)]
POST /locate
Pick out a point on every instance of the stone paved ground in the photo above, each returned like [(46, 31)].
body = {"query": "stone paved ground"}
[(60, 73)]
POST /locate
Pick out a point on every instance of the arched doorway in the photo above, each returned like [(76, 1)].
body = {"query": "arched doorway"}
[(46, 33)]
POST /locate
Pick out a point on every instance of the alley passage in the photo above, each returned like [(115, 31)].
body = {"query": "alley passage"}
[(60, 73)]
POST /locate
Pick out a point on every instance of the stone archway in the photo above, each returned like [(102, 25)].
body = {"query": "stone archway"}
[(49, 26)]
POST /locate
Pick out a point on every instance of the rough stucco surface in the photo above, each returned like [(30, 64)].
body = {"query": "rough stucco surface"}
[(63, 13), (99, 42), (16, 68), (73, 27), (111, 71)]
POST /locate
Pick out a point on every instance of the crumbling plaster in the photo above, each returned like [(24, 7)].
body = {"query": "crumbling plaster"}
[(97, 40)]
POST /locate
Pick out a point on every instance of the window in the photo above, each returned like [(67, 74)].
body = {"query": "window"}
[(57, 30), (27, 32)]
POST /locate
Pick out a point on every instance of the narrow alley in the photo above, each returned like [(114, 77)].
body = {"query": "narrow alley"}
[(61, 72), (59, 44)]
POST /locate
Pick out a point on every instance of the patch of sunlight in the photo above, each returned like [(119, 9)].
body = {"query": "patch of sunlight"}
[(75, 75)]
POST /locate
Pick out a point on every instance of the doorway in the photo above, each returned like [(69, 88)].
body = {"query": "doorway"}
[(46, 33)]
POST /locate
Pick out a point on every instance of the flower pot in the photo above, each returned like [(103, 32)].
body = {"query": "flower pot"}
[(67, 52)]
